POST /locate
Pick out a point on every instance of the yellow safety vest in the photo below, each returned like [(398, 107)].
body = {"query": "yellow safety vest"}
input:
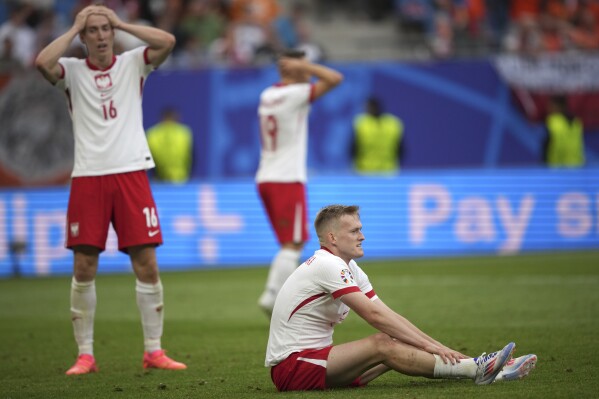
[(171, 146), (377, 140), (566, 144)]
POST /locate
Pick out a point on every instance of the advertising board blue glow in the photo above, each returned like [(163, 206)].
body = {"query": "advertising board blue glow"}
[(222, 224)]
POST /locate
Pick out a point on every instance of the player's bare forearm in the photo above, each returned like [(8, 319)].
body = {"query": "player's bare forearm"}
[(161, 43), (413, 328), (429, 344), (326, 74), (47, 60), (328, 78), (433, 346), (383, 319)]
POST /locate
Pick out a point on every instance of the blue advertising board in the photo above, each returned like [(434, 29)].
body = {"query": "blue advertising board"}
[(456, 114), (222, 224)]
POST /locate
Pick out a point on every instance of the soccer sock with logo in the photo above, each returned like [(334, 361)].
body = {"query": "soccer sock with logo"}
[(83, 309), (283, 264), (466, 368), (150, 304)]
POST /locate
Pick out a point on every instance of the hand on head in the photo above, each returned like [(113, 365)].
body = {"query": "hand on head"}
[(110, 14), (81, 18), (97, 9), (291, 65)]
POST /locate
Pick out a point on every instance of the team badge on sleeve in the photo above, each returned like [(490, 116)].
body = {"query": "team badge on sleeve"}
[(74, 229), (346, 276)]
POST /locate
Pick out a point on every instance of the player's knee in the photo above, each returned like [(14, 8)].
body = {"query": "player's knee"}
[(84, 271), (146, 271), (85, 267), (387, 346), (147, 275), (382, 342)]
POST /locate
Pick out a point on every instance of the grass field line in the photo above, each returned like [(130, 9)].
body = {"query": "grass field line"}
[(546, 303)]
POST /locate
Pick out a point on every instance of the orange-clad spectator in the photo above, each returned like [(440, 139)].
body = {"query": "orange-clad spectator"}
[(552, 39), (563, 10), (553, 22), (476, 15), (591, 7), (522, 8), (584, 33), (247, 40), (263, 11)]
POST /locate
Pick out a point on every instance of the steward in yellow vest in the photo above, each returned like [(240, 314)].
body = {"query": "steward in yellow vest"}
[(171, 144), (565, 146), (377, 140)]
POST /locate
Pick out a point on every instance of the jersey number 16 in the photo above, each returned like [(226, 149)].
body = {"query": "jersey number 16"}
[(109, 110)]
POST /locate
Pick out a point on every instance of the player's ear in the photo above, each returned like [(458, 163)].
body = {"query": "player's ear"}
[(331, 236)]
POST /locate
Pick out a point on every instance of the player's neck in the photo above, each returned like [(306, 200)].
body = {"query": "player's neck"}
[(102, 61), (331, 249), (288, 80)]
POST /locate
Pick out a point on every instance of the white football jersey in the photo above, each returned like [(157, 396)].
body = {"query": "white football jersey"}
[(309, 306), (105, 107), (283, 114)]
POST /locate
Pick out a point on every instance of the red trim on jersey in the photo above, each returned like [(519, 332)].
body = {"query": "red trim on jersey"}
[(61, 71), (68, 94), (280, 84), (344, 291), (312, 93), (326, 249), (305, 302), (95, 68), (141, 85), (371, 294), (146, 58)]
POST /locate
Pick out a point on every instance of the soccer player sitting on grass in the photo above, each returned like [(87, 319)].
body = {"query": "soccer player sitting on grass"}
[(320, 294)]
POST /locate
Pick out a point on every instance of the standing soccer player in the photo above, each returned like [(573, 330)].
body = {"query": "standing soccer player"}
[(282, 175), (110, 183), (320, 294)]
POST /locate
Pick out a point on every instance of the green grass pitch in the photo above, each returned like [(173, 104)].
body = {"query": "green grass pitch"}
[(547, 303)]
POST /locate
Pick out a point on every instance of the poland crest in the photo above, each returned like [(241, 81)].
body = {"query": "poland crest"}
[(74, 229), (103, 81)]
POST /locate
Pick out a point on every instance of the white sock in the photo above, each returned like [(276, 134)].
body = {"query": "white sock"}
[(283, 264), (466, 368), (150, 304), (83, 310)]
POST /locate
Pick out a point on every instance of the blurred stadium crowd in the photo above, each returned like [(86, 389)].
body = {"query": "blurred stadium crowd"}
[(249, 32)]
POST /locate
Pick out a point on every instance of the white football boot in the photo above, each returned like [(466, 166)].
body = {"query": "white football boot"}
[(490, 365)]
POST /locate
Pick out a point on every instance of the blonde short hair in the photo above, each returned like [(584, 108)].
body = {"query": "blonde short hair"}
[(331, 214)]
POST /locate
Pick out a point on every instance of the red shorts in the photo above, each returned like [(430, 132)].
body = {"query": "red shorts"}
[(286, 206), (125, 199), (304, 371), (297, 373)]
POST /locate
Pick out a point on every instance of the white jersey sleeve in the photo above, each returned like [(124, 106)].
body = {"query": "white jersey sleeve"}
[(283, 114), (336, 278), (106, 109), (362, 281), (309, 305)]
